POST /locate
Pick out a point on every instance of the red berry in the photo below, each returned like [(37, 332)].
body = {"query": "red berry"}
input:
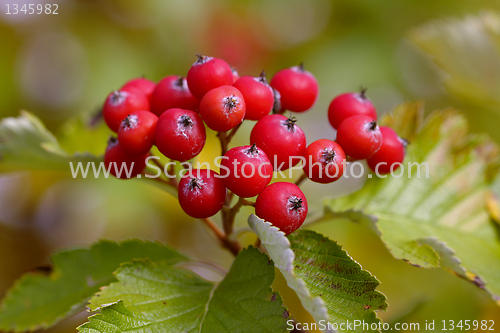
[(180, 134), (390, 153), (284, 205), (120, 103), (172, 92), (223, 108), (248, 171), (359, 136), (208, 73), (142, 84), (324, 161), (281, 139), (122, 164), (298, 88), (348, 105), (137, 132), (258, 95), (201, 193)]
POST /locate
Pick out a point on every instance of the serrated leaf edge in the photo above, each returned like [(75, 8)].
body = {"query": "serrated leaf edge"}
[(314, 305)]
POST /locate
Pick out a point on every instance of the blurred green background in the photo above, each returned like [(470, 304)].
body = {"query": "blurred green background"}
[(61, 67)]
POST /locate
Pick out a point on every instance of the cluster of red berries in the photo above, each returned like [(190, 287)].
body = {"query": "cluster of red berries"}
[(172, 115)]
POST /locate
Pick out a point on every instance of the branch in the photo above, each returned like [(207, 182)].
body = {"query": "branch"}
[(232, 246), (301, 179)]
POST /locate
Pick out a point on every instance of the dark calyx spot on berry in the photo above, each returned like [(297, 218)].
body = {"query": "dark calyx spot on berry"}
[(130, 121), (118, 97), (405, 143), (290, 123), (185, 121), (362, 92), (112, 140), (295, 203), (252, 151), (328, 155), (202, 59), (372, 125), (194, 184), (301, 67), (231, 102), (262, 78), (277, 101), (179, 83)]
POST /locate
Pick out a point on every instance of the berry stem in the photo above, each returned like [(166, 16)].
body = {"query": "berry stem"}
[(301, 179), (282, 111), (225, 138), (225, 214), (224, 241), (230, 214), (224, 143), (233, 132), (158, 163), (171, 182)]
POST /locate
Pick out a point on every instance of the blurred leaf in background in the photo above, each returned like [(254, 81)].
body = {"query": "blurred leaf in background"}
[(61, 67)]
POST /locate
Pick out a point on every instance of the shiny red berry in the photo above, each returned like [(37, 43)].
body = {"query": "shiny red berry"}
[(201, 193), (281, 139), (284, 205), (324, 161), (120, 103), (208, 73), (137, 132), (348, 105), (180, 134), (223, 108), (359, 136), (173, 92), (122, 164), (144, 85), (258, 95), (246, 170), (390, 154), (298, 88)]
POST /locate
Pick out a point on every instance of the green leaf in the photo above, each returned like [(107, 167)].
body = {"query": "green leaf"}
[(467, 51), (155, 297), (25, 144), (39, 301), (330, 284), (441, 220)]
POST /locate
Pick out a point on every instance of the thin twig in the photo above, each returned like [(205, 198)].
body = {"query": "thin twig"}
[(233, 132), (248, 203), (301, 179), (226, 209), (232, 246), (172, 182), (158, 163), (224, 143)]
